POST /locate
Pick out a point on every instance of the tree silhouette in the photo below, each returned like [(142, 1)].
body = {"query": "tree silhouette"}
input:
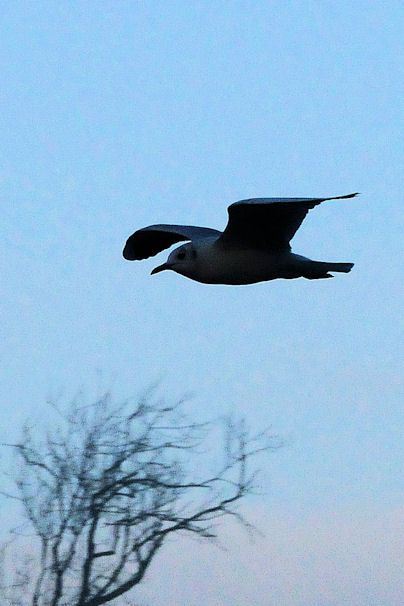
[(104, 489)]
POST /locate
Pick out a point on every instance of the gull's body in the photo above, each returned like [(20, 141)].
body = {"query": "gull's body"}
[(254, 247), (213, 264)]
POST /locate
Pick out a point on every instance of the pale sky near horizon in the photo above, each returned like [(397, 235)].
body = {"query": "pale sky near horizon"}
[(116, 115)]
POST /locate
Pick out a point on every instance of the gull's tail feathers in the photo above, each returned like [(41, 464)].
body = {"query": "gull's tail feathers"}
[(344, 268), (320, 269)]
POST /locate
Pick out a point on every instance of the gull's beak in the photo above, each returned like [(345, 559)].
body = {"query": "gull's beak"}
[(156, 270)]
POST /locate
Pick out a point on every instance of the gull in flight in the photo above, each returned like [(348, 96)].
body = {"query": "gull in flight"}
[(254, 247)]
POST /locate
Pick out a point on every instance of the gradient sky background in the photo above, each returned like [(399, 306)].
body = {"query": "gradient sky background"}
[(115, 115)]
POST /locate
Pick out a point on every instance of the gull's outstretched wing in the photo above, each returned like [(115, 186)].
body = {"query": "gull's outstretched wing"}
[(268, 223), (151, 240)]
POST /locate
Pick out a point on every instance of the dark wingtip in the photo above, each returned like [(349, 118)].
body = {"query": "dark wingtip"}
[(347, 196), (127, 253), (130, 250)]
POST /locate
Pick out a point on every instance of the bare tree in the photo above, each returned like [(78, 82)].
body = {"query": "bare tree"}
[(106, 487)]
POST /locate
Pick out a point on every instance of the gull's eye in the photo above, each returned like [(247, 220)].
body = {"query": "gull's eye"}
[(181, 255)]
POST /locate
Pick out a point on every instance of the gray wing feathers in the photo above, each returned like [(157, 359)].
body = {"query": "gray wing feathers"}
[(268, 223), (267, 201), (149, 241)]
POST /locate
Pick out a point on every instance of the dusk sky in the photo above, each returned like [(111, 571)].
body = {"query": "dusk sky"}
[(119, 114)]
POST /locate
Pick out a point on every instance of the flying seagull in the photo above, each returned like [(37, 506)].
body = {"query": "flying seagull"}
[(254, 247)]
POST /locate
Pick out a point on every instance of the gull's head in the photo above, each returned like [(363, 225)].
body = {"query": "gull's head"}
[(181, 260)]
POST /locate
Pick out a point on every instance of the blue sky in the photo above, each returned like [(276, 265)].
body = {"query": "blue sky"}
[(116, 115)]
